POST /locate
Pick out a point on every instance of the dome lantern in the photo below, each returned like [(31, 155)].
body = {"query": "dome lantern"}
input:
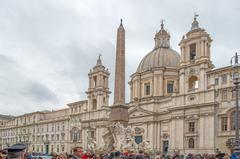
[(162, 38)]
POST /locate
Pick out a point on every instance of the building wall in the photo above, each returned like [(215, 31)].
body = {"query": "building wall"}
[(169, 121)]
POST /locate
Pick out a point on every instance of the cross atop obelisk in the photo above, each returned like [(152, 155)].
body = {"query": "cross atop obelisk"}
[(119, 111)]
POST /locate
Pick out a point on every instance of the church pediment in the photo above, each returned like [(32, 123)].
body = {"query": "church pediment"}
[(138, 111)]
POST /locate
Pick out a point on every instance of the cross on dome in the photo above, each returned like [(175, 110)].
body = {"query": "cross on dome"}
[(195, 22), (162, 24), (99, 61)]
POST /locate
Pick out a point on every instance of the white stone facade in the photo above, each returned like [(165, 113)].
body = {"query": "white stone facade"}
[(178, 102)]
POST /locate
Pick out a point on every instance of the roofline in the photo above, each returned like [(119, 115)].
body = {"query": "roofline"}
[(78, 102), (225, 68)]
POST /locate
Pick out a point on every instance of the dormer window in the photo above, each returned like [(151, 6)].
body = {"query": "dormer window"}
[(147, 89), (192, 51)]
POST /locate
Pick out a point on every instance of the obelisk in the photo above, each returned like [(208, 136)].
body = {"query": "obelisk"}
[(119, 111)]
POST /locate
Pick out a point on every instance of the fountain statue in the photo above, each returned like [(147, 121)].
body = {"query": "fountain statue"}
[(118, 138)]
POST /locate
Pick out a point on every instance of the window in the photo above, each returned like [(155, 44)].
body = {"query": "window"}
[(147, 89), (92, 134), (193, 82), (52, 127), (191, 143), (104, 100), (95, 81), (232, 120), (75, 135), (80, 108), (170, 87), (216, 81), (224, 94), (224, 123), (224, 79), (94, 104), (74, 138), (234, 93), (104, 81), (191, 127), (192, 51), (63, 136), (33, 138)]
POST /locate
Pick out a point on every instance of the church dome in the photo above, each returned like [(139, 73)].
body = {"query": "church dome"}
[(162, 55)]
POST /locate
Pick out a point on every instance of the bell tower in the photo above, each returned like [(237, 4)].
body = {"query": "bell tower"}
[(98, 91), (195, 59)]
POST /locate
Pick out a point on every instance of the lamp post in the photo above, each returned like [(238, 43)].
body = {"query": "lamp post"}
[(236, 66)]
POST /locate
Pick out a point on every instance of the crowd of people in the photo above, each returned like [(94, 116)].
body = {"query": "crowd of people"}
[(19, 151)]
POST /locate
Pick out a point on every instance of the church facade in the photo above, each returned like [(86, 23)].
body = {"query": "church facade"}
[(178, 102)]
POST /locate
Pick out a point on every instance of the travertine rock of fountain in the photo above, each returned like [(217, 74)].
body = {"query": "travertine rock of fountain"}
[(118, 138), (92, 144), (144, 146), (118, 132)]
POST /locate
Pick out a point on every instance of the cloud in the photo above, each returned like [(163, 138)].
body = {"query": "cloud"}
[(47, 47), (18, 93)]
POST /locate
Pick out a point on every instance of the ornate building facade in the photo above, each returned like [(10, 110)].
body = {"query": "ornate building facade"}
[(178, 102)]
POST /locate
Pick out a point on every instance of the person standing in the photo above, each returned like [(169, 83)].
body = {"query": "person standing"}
[(77, 153), (17, 151)]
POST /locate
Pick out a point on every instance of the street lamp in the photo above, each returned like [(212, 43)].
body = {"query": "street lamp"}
[(236, 66)]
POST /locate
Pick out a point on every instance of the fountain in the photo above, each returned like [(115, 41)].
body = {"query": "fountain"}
[(122, 139), (119, 136)]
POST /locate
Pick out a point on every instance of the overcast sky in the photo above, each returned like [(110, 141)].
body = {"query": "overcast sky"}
[(47, 47)]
